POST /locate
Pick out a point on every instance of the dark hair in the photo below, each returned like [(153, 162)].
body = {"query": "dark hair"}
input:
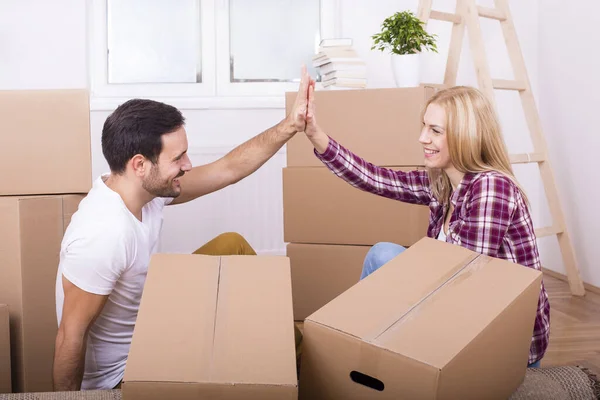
[(136, 127)]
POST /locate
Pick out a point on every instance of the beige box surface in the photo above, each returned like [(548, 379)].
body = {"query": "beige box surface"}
[(321, 208), (436, 322), (322, 272), (380, 125), (215, 328), (51, 129), (31, 231), (5, 374)]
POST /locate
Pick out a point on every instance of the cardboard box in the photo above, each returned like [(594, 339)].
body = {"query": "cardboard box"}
[(322, 272), (436, 322), (321, 208), (51, 128), (31, 231), (215, 328), (380, 125), (5, 375)]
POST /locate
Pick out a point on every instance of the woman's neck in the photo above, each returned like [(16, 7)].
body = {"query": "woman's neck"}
[(455, 176)]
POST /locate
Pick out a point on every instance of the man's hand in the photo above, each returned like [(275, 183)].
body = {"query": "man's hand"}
[(297, 116), (80, 310), (318, 138)]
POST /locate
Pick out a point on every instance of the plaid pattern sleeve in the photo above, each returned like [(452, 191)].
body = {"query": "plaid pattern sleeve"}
[(410, 187)]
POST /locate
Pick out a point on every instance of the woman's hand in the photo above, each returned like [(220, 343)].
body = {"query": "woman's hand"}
[(318, 138)]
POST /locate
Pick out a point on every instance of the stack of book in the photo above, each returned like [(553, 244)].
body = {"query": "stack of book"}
[(339, 65)]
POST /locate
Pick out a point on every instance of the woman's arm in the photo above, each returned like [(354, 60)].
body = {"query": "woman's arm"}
[(409, 187)]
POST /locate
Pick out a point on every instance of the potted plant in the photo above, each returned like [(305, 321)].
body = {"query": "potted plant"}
[(404, 36)]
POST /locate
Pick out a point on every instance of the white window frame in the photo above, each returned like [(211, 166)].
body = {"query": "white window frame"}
[(329, 18), (215, 91)]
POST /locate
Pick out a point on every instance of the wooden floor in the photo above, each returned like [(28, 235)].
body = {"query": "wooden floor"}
[(574, 327)]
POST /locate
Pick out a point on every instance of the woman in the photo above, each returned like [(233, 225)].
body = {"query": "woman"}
[(473, 196)]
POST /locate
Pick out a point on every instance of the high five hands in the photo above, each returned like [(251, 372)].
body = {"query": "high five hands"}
[(302, 116)]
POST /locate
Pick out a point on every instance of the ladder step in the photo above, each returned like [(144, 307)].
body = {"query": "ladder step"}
[(526, 158), (504, 84), (547, 231), (444, 16), (491, 13), (435, 85)]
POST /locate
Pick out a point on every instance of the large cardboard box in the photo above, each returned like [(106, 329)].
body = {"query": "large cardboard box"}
[(436, 322), (322, 272), (31, 231), (321, 208), (215, 328), (5, 374), (45, 142), (380, 125)]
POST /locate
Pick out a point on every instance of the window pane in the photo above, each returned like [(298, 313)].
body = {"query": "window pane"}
[(154, 41), (270, 39)]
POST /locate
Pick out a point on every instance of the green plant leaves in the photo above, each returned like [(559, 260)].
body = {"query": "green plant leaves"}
[(403, 33)]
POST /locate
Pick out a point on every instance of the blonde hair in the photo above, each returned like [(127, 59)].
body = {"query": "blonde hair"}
[(474, 138)]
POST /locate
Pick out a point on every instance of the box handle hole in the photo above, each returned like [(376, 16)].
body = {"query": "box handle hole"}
[(367, 381)]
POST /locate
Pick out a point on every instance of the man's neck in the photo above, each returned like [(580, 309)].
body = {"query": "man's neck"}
[(134, 197)]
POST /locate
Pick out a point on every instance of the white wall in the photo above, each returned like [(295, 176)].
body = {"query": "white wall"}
[(43, 45), (569, 81)]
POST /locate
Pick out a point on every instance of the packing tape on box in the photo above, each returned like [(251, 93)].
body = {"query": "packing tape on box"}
[(456, 275)]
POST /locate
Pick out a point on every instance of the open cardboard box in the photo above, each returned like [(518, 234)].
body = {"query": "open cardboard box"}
[(436, 322), (215, 328)]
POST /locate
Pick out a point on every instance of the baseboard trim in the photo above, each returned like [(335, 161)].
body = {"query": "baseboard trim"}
[(271, 252), (562, 277)]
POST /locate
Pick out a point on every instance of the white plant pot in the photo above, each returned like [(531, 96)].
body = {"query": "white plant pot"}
[(406, 70)]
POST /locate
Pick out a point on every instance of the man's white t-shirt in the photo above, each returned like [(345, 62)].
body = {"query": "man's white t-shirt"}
[(106, 251)]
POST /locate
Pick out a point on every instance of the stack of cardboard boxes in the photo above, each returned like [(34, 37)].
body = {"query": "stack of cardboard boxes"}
[(45, 171), (328, 224), (437, 322)]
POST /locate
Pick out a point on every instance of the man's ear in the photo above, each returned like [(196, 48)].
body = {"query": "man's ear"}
[(139, 165)]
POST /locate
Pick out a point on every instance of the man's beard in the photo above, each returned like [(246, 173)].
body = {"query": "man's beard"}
[(159, 187)]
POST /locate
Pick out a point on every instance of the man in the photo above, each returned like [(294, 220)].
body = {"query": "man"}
[(107, 247)]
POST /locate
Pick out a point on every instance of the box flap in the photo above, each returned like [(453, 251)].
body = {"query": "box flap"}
[(371, 307), (254, 334), (447, 321), (173, 336)]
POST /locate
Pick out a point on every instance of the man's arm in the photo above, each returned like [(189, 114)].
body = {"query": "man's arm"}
[(247, 157), (80, 310), (235, 165)]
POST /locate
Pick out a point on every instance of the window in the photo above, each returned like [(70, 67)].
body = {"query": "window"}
[(147, 45), (204, 53)]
